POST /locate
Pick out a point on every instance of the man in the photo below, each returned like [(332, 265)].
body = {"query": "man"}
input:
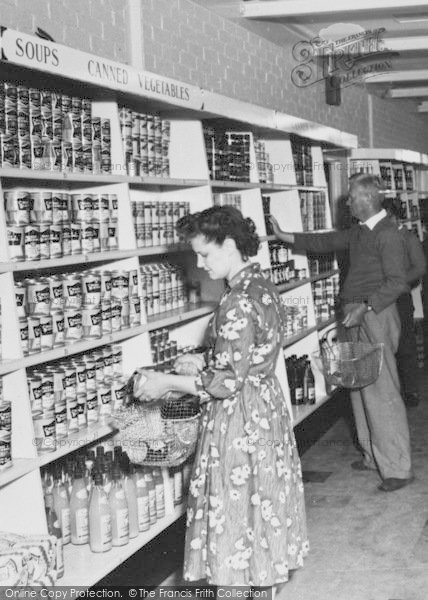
[(415, 264), (375, 279)]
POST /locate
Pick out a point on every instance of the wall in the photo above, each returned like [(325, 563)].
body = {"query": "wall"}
[(97, 26), (185, 40), (189, 42)]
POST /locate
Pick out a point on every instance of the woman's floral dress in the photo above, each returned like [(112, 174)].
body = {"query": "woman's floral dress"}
[(246, 521)]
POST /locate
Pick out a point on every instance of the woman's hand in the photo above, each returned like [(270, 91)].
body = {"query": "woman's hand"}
[(150, 385), (189, 364)]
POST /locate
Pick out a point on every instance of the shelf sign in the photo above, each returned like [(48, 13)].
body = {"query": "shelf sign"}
[(36, 53)]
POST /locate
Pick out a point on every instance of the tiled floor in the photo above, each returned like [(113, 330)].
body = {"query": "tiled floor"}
[(365, 544)]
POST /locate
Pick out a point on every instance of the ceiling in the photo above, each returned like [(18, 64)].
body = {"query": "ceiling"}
[(395, 58)]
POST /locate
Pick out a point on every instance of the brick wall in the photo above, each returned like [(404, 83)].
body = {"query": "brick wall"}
[(97, 26), (187, 41)]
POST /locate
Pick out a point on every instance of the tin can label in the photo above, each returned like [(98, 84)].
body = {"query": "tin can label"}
[(73, 325), (61, 421), (15, 240)]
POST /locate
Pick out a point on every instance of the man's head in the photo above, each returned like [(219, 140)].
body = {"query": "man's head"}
[(364, 198)]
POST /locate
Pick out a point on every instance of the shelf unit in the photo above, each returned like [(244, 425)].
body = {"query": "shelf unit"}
[(20, 486), (405, 174)]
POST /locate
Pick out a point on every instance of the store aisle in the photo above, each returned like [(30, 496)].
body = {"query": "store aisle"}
[(365, 544)]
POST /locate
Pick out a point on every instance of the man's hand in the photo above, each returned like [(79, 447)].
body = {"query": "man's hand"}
[(355, 315), (284, 236)]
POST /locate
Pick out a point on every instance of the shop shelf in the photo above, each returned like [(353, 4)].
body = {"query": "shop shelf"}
[(302, 411), (165, 182), (180, 314), (43, 177), (224, 185), (321, 324), (85, 568), (19, 468), (298, 336)]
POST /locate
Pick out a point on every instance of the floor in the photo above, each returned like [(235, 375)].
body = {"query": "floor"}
[(365, 544)]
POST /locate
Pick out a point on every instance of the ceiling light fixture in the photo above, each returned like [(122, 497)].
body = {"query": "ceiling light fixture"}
[(411, 18)]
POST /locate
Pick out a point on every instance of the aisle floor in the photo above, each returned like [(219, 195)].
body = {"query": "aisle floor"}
[(365, 544)]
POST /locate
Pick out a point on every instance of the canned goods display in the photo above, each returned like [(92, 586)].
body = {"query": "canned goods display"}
[(325, 292), (50, 133), (164, 287), (44, 225), (154, 223)]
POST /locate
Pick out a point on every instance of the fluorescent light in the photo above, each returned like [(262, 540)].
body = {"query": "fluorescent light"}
[(411, 18)]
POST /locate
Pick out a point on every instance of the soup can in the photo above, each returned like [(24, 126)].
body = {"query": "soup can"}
[(44, 432)]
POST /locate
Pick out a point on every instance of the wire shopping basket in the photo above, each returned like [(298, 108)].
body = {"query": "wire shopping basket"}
[(161, 434), (350, 364)]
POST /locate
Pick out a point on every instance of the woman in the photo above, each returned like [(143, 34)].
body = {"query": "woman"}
[(246, 518)]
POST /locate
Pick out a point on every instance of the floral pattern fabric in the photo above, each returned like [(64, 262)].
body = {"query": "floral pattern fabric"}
[(246, 521)]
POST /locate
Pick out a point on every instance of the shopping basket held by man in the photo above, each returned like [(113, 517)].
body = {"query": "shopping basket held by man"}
[(375, 280)]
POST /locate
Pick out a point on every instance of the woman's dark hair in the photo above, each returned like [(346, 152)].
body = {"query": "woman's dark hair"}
[(218, 223)]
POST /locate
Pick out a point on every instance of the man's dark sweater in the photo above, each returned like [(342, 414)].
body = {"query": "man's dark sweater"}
[(377, 271)]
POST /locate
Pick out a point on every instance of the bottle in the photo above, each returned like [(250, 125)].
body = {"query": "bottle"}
[(54, 528), (142, 499), (107, 476), (299, 369), (160, 493), (152, 495), (79, 510), (119, 511), (100, 533), (291, 376), (62, 506), (177, 481), (90, 460), (309, 384), (131, 499)]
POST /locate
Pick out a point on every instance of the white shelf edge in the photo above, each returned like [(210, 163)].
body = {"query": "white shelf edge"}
[(86, 568), (19, 468), (163, 320)]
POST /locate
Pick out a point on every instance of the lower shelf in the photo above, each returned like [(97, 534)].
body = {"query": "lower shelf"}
[(301, 412), (86, 568)]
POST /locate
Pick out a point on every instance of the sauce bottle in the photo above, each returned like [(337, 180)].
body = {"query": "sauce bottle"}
[(54, 528), (142, 499), (100, 533), (119, 511), (131, 499), (152, 495), (160, 493), (79, 510), (61, 501)]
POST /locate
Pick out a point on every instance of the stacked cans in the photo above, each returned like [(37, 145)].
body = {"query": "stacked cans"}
[(145, 139), (228, 154), (296, 317), (164, 350), (302, 158), (282, 268), (228, 200), (164, 287), (43, 225), (154, 222), (41, 129), (5, 430), (264, 166), (69, 395), (325, 292), (322, 263), (313, 210), (63, 309)]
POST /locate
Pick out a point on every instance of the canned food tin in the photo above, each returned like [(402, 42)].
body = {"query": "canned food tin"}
[(116, 314), (119, 392), (35, 393), (5, 416), (58, 381), (82, 207), (15, 240), (106, 317), (5, 450), (55, 241), (117, 359), (32, 242), (80, 368), (86, 237), (70, 382), (113, 240), (104, 400), (72, 290), (20, 298), (119, 284), (33, 335), (41, 207), (44, 241), (98, 359), (58, 327), (73, 329), (113, 206), (38, 296), (96, 238), (24, 334), (92, 406), (46, 332), (108, 361), (91, 287), (48, 395), (134, 311), (104, 212), (66, 239), (76, 238), (91, 320), (17, 204), (124, 316), (60, 413), (90, 373), (72, 415), (82, 408)]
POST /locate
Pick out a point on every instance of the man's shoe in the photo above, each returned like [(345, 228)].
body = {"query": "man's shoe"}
[(392, 483), (360, 465), (411, 400)]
